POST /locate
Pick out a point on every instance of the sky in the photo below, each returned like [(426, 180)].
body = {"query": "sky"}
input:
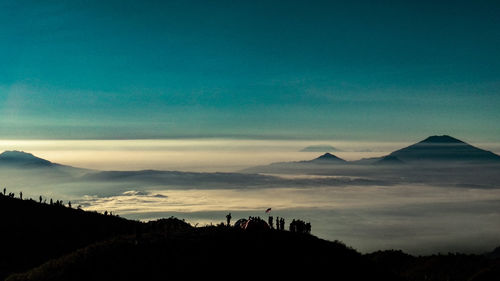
[(317, 70)]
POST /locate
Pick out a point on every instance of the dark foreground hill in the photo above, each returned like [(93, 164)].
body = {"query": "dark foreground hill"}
[(59, 243), (220, 253), (32, 233), (53, 242)]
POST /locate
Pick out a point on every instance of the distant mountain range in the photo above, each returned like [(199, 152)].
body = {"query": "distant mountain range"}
[(436, 160), (432, 150), (442, 159)]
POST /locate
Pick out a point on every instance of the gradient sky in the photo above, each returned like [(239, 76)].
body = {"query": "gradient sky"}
[(375, 70)]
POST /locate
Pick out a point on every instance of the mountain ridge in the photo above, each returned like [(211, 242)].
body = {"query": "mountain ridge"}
[(21, 158), (444, 149), (442, 153)]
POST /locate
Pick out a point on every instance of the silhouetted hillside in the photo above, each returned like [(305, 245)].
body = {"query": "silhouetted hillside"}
[(456, 267), (32, 232), (77, 245), (54, 242), (220, 253)]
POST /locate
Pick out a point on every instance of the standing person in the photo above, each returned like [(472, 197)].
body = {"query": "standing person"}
[(308, 228), (277, 223), (228, 217), (270, 221), (282, 224)]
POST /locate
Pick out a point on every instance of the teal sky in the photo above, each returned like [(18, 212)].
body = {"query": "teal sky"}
[(374, 70)]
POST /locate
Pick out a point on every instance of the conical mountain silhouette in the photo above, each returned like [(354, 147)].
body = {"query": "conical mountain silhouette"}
[(328, 157), (444, 148), (442, 139)]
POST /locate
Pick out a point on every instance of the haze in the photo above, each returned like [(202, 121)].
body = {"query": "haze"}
[(202, 155), (208, 155)]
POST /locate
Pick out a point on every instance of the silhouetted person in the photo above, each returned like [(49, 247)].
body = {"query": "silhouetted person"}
[(300, 226), (51, 202), (4, 191), (308, 228), (21, 195), (282, 224), (69, 204), (277, 223), (105, 213), (228, 217), (270, 221), (40, 198)]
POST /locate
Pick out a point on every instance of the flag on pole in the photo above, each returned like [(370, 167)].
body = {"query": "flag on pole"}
[(268, 210)]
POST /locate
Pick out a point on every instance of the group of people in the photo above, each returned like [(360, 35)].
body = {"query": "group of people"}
[(298, 226), (280, 223), (40, 199)]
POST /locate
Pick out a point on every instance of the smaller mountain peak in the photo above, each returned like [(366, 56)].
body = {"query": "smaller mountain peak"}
[(442, 139), (328, 157)]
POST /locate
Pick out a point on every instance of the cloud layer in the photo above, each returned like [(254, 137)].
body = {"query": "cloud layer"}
[(419, 219)]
